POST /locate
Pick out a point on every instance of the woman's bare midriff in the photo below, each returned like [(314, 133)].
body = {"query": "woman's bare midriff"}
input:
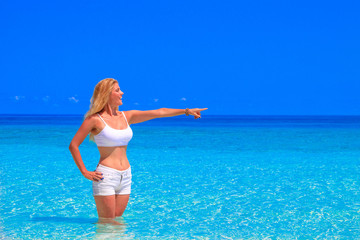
[(114, 157)]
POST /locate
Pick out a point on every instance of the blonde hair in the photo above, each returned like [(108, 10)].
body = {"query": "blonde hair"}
[(100, 98)]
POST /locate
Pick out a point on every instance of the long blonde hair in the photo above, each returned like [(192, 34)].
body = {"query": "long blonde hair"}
[(100, 98)]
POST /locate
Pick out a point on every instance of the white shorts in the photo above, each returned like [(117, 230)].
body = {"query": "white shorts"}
[(114, 182)]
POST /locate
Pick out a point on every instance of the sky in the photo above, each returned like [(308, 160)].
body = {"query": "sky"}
[(233, 57)]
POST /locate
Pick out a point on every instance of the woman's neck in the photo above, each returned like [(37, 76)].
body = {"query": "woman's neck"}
[(111, 110)]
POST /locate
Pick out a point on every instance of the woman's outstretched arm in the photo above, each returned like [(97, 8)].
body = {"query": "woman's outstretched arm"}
[(136, 116)]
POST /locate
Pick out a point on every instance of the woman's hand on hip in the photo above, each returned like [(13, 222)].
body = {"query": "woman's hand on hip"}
[(93, 176)]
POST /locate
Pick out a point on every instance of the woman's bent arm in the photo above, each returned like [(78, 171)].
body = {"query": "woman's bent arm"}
[(77, 158), (84, 130)]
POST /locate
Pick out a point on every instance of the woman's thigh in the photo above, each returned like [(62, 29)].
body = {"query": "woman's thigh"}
[(105, 206), (121, 202)]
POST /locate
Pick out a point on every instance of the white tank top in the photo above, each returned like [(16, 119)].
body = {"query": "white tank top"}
[(110, 137)]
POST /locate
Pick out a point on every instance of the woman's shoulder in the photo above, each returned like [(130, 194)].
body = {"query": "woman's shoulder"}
[(93, 118), (127, 114), (129, 111)]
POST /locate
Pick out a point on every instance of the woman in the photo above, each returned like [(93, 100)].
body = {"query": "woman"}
[(110, 129)]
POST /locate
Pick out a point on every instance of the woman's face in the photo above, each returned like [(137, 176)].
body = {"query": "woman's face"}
[(116, 95)]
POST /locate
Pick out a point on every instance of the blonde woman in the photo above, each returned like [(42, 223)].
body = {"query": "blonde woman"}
[(110, 130)]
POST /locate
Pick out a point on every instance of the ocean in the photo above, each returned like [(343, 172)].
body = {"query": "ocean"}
[(218, 177)]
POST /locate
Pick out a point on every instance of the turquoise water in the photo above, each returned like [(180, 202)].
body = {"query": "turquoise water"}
[(212, 178)]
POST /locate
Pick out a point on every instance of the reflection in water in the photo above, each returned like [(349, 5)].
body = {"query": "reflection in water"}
[(111, 229)]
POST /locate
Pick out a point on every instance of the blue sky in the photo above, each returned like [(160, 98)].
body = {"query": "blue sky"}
[(233, 57)]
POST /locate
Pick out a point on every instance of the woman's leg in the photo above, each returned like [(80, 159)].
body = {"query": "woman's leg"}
[(121, 202), (105, 206)]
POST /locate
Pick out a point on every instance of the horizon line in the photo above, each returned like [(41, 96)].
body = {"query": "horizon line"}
[(242, 115)]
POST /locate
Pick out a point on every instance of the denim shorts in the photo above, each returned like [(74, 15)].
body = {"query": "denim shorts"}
[(114, 182)]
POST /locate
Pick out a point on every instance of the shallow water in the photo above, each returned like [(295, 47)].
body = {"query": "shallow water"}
[(216, 178)]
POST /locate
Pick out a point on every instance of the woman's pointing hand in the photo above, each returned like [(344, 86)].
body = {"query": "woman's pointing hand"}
[(196, 112)]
